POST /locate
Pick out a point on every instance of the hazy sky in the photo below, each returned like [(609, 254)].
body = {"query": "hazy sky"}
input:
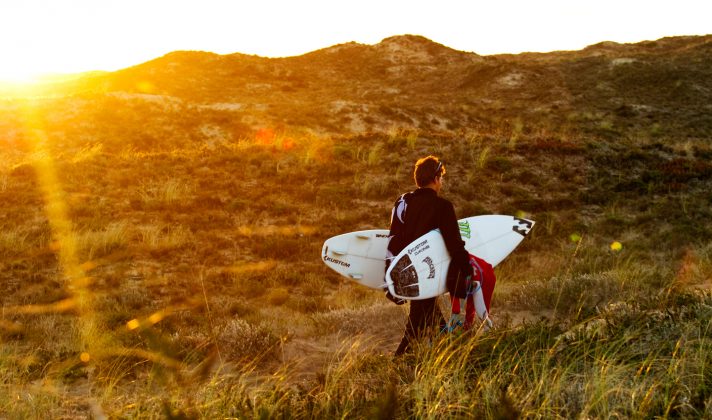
[(41, 36)]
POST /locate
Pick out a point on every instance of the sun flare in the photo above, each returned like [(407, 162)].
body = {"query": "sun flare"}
[(22, 71), (20, 76)]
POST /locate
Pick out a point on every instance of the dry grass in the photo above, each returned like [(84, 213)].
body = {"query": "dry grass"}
[(96, 244), (14, 240), (164, 193), (161, 236), (200, 291)]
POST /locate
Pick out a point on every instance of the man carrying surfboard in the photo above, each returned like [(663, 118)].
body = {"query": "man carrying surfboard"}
[(414, 214)]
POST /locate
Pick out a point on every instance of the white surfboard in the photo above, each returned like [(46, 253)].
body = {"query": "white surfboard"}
[(360, 256), (419, 271)]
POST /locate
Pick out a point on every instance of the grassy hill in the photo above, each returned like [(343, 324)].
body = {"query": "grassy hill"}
[(161, 229)]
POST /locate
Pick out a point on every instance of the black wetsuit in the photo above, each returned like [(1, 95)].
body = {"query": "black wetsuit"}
[(415, 214)]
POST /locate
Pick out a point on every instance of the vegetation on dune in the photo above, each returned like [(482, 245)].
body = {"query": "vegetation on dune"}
[(186, 254), (159, 257)]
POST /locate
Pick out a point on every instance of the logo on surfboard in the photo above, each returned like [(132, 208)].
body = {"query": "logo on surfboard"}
[(431, 266), (465, 231), (522, 226), (334, 260), (421, 247)]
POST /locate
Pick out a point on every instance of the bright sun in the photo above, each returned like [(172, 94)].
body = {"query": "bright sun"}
[(19, 72)]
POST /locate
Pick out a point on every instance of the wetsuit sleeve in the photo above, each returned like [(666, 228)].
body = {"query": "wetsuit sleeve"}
[(395, 234), (451, 234)]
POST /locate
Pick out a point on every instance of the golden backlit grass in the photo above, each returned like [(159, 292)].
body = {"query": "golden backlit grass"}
[(178, 278)]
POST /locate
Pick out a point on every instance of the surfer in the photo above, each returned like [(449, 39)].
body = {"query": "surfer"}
[(414, 214)]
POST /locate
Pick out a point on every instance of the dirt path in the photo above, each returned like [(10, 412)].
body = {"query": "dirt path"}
[(307, 356)]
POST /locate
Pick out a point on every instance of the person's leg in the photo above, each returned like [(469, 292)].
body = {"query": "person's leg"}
[(423, 315), (403, 346), (433, 316), (414, 315)]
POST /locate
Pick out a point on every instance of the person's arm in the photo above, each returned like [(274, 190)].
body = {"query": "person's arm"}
[(453, 241), (460, 266), (393, 238)]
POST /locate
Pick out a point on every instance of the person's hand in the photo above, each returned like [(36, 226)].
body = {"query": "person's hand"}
[(397, 301), (473, 272)]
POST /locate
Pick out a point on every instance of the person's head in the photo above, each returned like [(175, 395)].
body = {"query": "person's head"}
[(429, 172)]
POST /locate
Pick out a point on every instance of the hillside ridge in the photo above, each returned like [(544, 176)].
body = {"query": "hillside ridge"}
[(663, 87)]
